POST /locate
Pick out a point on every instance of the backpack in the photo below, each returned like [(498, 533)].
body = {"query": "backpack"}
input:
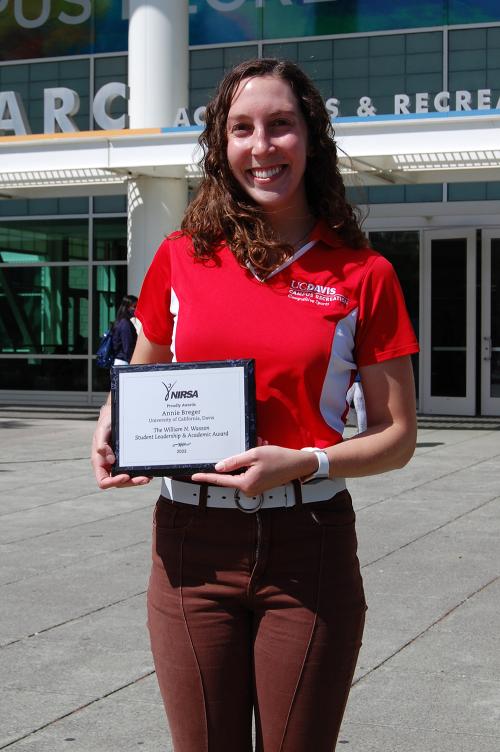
[(105, 353)]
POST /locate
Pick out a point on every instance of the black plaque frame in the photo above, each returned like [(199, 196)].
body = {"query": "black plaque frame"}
[(248, 366)]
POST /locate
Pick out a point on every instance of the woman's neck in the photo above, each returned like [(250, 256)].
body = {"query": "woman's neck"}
[(293, 230)]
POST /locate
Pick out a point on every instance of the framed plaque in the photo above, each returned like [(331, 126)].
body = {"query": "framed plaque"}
[(181, 418)]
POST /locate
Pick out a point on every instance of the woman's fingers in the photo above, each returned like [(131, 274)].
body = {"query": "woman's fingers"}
[(102, 454), (238, 461), (122, 481), (102, 460), (264, 467), (228, 465), (106, 453), (103, 457), (214, 479)]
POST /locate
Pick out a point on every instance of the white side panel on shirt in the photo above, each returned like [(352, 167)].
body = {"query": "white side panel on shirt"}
[(332, 403), (174, 310)]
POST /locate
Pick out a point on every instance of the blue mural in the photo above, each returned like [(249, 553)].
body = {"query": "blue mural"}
[(32, 29)]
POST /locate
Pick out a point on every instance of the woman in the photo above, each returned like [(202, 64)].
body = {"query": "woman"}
[(264, 612), (124, 331)]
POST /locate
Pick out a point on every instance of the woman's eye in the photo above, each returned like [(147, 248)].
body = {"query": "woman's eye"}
[(280, 122), (240, 128)]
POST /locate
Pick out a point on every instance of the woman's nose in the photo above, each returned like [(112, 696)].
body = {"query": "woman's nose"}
[(261, 141)]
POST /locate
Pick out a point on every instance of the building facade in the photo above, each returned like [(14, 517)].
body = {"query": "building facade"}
[(69, 251)]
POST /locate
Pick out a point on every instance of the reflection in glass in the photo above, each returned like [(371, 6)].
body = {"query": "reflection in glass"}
[(44, 374), (100, 379), (110, 239), (107, 70), (449, 317), (495, 374), (110, 204), (448, 373), (495, 317), (35, 207), (44, 298), (109, 286), (31, 79), (402, 249), (44, 309), (48, 240), (378, 65)]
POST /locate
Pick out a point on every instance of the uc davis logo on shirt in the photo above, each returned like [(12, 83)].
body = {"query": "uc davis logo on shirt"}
[(320, 295)]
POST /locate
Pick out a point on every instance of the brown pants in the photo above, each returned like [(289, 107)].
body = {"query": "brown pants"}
[(255, 612)]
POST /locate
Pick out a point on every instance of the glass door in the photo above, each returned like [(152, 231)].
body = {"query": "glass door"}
[(402, 249), (490, 324), (449, 322)]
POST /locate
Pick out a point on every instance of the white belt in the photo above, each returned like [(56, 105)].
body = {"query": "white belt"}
[(231, 498)]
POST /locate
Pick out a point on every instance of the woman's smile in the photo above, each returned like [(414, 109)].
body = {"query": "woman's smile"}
[(266, 174)]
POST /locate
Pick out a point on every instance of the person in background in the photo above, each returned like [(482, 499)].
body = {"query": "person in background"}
[(355, 397), (255, 601), (124, 331)]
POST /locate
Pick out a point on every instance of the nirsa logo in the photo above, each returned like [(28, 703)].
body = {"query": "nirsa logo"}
[(179, 393)]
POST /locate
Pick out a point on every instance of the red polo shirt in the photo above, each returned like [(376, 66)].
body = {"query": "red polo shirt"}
[(309, 326)]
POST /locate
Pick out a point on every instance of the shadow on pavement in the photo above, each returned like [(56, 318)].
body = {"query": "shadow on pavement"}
[(14, 424)]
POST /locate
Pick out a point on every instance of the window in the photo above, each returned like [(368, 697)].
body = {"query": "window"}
[(107, 70), (208, 66), (58, 294), (30, 80)]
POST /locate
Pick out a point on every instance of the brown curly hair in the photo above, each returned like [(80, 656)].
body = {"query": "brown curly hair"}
[(223, 211)]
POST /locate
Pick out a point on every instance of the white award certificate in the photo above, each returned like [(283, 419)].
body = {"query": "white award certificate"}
[(179, 418)]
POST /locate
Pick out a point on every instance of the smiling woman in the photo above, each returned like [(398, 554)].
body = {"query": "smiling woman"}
[(262, 614)]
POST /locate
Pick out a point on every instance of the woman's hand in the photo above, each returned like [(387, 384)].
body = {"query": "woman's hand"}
[(266, 467), (387, 444), (103, 457)]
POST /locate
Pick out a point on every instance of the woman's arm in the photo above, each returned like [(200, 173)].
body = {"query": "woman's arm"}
[(387, 444), (102, 456), (390, 438)]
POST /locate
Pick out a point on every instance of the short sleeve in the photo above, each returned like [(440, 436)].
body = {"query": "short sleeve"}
[(384, 328), (153, 307)]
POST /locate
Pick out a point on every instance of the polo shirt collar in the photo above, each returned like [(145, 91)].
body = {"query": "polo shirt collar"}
[(298, 253), (321, 232)]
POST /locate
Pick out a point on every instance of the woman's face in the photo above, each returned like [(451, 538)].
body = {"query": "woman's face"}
[(267, 144)]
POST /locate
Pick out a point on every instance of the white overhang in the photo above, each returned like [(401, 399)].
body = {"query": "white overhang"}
[(424, 148), (386, 149)]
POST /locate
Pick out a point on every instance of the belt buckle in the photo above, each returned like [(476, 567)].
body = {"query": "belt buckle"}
[(247, 510)]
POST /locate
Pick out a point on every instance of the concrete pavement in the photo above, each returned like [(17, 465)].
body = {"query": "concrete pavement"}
[(76, 672)]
